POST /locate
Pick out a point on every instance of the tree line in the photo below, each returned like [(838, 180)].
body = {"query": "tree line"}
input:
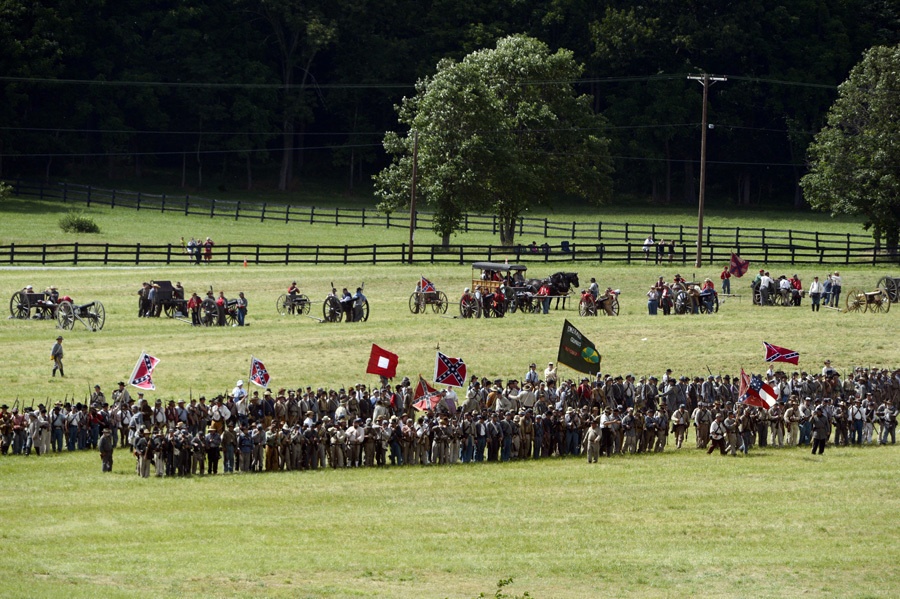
[(245, 90)]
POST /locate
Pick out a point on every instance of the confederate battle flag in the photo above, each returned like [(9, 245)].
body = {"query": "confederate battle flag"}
[(259, 376), (426, 396), (780, 354), (142, 377), (738, 266), (449, 371)]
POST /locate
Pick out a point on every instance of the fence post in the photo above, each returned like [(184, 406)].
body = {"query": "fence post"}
[(345, 249), (461, 258), (106, 255), (287, 254), (766, 252), (521, 226), (237, 210), (387, 221), (848, 249), (316, 259), (545, 228), (137, 254), (75, 254), (262, 216), (627, 253), (763, 241), (374, 249), (467, 222), (490, 253), (626, 235), (681, 234), (337, 216), (287, 214), (256, 261), (493, 225), (163, 208), (44, 254), (228, 255), (573, 229), (212, 208), (791, 237), (431, 259), (12, 253), (168, 254), (817, 240), (187, 198), (139, 201), (312, 212), (364, 218), (737, 234), (402, 252)]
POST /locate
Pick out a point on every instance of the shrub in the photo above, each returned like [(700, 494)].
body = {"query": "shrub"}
[(75, 221)]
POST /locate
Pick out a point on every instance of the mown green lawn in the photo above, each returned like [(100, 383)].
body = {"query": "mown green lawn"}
[(778, 523)]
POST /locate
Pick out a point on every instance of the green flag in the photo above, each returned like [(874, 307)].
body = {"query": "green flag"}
[(577, 351)]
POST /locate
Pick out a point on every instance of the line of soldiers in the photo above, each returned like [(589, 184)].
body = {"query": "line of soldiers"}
[(307, 429)]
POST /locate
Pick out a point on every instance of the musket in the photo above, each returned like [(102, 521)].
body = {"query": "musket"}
[(16, 403)]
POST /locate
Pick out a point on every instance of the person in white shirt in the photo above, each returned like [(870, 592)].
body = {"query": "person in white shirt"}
[(765, 284), (532, 375), (648, 244), (550, 374), (815, 293)]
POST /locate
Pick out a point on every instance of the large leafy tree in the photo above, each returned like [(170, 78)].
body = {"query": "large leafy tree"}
[(854, 159), (498, 132)]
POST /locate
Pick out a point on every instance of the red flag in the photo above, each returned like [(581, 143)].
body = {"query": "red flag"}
[(780, 354), (382, 362), (426, 286), (259, 376), (426, 396), (449, 371), (738, 267), (142, 376)]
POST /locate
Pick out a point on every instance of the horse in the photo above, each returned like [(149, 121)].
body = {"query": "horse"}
[(561, 283)]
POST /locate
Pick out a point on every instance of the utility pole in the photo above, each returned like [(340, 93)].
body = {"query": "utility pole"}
[(412, 196), (705, 80)]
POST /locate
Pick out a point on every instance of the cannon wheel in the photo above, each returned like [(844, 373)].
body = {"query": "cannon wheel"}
[(587, 307), (97, 316), (65, 316), (231, 316), (468, 308), (365, 311), (439, 306), (613, 306), (711, 309), (169, 310), (415, 303), (782, 299), (682, 302), (890, 284), (856, 301), (209, 313), (331, 309), (17, 307), (882, 302), (283, 304)]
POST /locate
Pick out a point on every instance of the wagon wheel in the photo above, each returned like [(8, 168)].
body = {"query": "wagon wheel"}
[(587, 307), (881, 303), (209, 313), (301, 305), (526, 305), (613, 305), (97, 316), (17, 306), (65, 315), (499, 310), (283, 304), (781, 299), (890, 285), (231, 318), (682, 302), (331, 309), (468, 307), (365, 311), (439, 306), (856, 301), (415, 303), (757, 298), (511, 304)]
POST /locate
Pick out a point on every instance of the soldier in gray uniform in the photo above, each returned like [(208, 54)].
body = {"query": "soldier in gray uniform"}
[(56, 354), (821, 431), (106, 446)]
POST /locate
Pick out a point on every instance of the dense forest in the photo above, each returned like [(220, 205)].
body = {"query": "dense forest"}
[(271, 91)]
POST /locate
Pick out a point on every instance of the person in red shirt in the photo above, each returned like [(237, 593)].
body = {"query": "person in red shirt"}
[(193, 306), (796, 290), (726, 281)]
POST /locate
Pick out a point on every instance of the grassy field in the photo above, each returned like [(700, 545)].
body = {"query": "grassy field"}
[(298, 350), (779, 523)]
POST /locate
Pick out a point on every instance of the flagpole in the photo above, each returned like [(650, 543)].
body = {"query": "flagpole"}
[(134, 371)]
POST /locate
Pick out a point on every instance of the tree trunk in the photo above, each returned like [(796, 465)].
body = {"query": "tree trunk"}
[(287, 157), (445, 240), (249, 173), (668, 199), (507, 226)]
